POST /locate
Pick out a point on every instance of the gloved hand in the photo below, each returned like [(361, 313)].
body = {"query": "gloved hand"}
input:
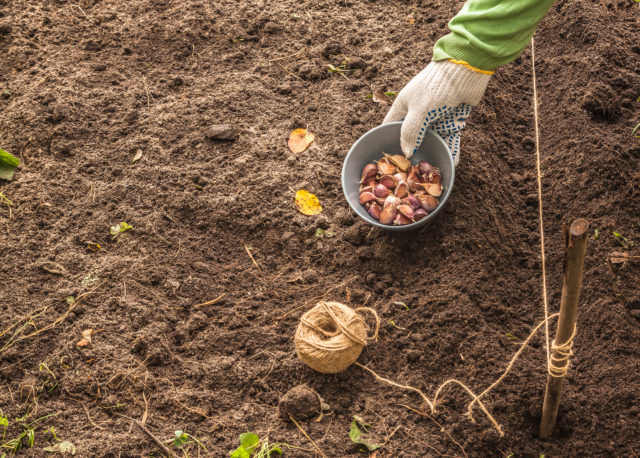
[(439, 98)]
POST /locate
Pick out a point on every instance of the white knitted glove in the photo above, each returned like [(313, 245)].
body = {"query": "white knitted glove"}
[(440, 98)]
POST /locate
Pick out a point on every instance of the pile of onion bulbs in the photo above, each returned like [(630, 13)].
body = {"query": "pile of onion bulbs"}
[(395, 192)]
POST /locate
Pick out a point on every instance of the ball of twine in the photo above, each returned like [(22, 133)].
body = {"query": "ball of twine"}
[(331, 336)]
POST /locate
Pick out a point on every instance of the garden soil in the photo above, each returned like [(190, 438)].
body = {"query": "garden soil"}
[(87, 86)]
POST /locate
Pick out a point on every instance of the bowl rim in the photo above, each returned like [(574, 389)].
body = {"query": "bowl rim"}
[(407, 227)]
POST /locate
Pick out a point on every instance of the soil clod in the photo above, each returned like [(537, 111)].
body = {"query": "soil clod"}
[(224, 132), (300, 402)]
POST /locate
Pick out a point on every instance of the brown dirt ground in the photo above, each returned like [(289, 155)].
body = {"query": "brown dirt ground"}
[(86, 85)]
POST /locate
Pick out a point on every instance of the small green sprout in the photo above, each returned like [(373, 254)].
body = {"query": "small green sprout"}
[(596, 234), (44, 368), (391, 94), (4, 200), (340, 69), (119, 229), (4, 422), (621, 238), (181, 439), (402, 304), (322, 233)]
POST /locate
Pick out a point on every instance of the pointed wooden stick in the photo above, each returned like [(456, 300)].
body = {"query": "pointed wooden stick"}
[(576, 238)]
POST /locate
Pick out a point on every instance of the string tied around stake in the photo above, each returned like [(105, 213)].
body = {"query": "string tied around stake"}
[(331, 336), (559, 360)]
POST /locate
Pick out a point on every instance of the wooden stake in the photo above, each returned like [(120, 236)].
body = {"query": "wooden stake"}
[(576, 243)]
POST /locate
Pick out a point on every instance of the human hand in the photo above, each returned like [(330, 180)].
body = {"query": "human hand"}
[(439, 98)]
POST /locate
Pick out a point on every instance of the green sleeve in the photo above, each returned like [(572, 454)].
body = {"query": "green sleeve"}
[(489, 33)]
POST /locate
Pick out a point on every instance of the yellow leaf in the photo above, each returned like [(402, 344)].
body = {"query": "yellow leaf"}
[(307, 203), (300, 139), (93, 246)]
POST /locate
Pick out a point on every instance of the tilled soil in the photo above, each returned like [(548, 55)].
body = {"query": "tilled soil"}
[(86, 86)]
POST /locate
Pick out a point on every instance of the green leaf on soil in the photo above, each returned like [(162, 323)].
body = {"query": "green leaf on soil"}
[(8, 164), (119, 229), (356, 435), (63, 447), (180, 439), (249, 441)]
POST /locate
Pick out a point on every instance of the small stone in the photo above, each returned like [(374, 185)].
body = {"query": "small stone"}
[(531, 200), (284, 88), (387, 51), (635, 314), (413, 355), (226, 132), (239, 55), (300, 402), (310, 276), (357, 62), (364, 252), (59, 145), (516, 178), (370, 278), (272, 27), (490, 437), (331, 48)]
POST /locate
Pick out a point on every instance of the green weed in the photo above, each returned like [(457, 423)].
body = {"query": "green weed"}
[(182, 439), (356, 435), (28, 433), (340, 69), (249, 443), (119, 229)]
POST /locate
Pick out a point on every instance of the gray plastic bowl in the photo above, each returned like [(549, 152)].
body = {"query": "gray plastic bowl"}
[(386, 138)]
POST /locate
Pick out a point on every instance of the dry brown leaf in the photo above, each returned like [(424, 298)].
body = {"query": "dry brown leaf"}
[(381, 97), (299, 140), (620, 257), (83, 343), (86, 338)]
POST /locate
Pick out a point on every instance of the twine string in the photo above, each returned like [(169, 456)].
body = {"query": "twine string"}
[(558, 363)]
